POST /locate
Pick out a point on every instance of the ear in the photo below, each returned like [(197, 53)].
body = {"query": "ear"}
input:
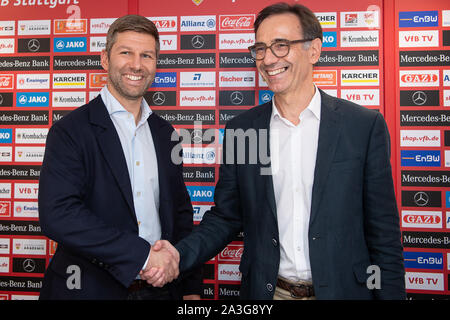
[(315, 50), (104, 59)]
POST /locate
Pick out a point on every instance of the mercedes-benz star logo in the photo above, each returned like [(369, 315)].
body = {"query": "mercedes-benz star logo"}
[(198, 42), (1, 99), (237, 97), (34, 45), (421, 198), (419, 98), (29, 265), (158, 98), (196, 136)]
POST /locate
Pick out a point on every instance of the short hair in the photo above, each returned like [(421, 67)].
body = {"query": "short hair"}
[(131, 22), (310, 24)]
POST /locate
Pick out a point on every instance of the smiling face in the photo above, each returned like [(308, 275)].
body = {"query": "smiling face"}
[(292, 72), (131, 65)]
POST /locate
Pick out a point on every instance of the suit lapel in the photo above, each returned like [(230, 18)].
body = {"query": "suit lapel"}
[(330, 125), (262, 122), (110, 146)]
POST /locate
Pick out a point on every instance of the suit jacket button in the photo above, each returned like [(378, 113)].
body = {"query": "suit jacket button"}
[(269, 287), (274, 242), (100, 264)]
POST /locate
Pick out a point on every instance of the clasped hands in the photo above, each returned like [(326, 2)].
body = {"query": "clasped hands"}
[(162, 266)]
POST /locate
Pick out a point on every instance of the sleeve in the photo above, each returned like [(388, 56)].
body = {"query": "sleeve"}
[(65, 218), (381, 218)]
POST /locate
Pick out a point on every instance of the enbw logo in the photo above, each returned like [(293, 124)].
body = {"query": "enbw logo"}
[(73, 44), (165, 80), (420, 158), (5, 135), (409, 19)]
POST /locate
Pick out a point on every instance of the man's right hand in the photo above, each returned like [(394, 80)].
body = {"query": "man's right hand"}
[(162, 266)]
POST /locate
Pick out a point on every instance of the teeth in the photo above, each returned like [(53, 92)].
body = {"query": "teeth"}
[(275, 72), (134, 78)]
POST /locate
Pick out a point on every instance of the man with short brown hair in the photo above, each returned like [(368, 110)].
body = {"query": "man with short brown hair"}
[(108, 189)]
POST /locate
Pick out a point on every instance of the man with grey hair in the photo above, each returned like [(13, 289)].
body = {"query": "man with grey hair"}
[(324, 224), (108, 189)]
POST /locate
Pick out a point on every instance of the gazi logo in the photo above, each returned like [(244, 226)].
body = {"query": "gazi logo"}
[(32, 99), (72, 44), (5, 135)]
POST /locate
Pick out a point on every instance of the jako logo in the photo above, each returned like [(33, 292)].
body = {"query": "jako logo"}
[(201, 193), (32, 99), (5, 135), (73, 44)]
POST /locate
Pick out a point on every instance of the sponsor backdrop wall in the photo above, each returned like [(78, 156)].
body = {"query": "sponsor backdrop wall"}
[(392, 56)]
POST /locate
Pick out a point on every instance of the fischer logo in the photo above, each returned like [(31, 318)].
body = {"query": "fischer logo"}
[(231, 253), (419, 78), (5, 190), (420, 138), (237, 78), (421, 219), (236, 22), (6, 81)]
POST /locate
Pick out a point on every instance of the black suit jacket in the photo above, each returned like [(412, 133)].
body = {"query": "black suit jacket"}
[(354, 220), (86, 206)]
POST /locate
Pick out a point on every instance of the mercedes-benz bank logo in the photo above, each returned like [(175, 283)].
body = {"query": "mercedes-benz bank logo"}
[(237, 97), (29, 265), (198, 42), (419, 98), (421, 198), (34, 45), (158, 98), (1, 99)]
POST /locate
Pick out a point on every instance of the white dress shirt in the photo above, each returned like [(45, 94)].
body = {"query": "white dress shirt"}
[(293, 156), (140, 155)]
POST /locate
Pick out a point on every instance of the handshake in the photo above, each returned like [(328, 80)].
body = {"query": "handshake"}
[(162, 265)]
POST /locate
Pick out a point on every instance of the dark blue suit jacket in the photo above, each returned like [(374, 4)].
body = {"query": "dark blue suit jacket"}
[(86, 206), (354, 220)]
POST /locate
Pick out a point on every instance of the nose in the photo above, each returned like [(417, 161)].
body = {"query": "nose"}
[(269, 58), (135, 62)]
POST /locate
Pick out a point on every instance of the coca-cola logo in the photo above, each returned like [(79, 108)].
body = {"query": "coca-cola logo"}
[(237, 22), (6, 81), (232, 253)]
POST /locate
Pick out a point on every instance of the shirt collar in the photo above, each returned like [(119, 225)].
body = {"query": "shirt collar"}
[(114, 106), (314, 106)]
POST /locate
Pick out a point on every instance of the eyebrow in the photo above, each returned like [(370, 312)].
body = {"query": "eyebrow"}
[(273, 41), (124, 47)]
